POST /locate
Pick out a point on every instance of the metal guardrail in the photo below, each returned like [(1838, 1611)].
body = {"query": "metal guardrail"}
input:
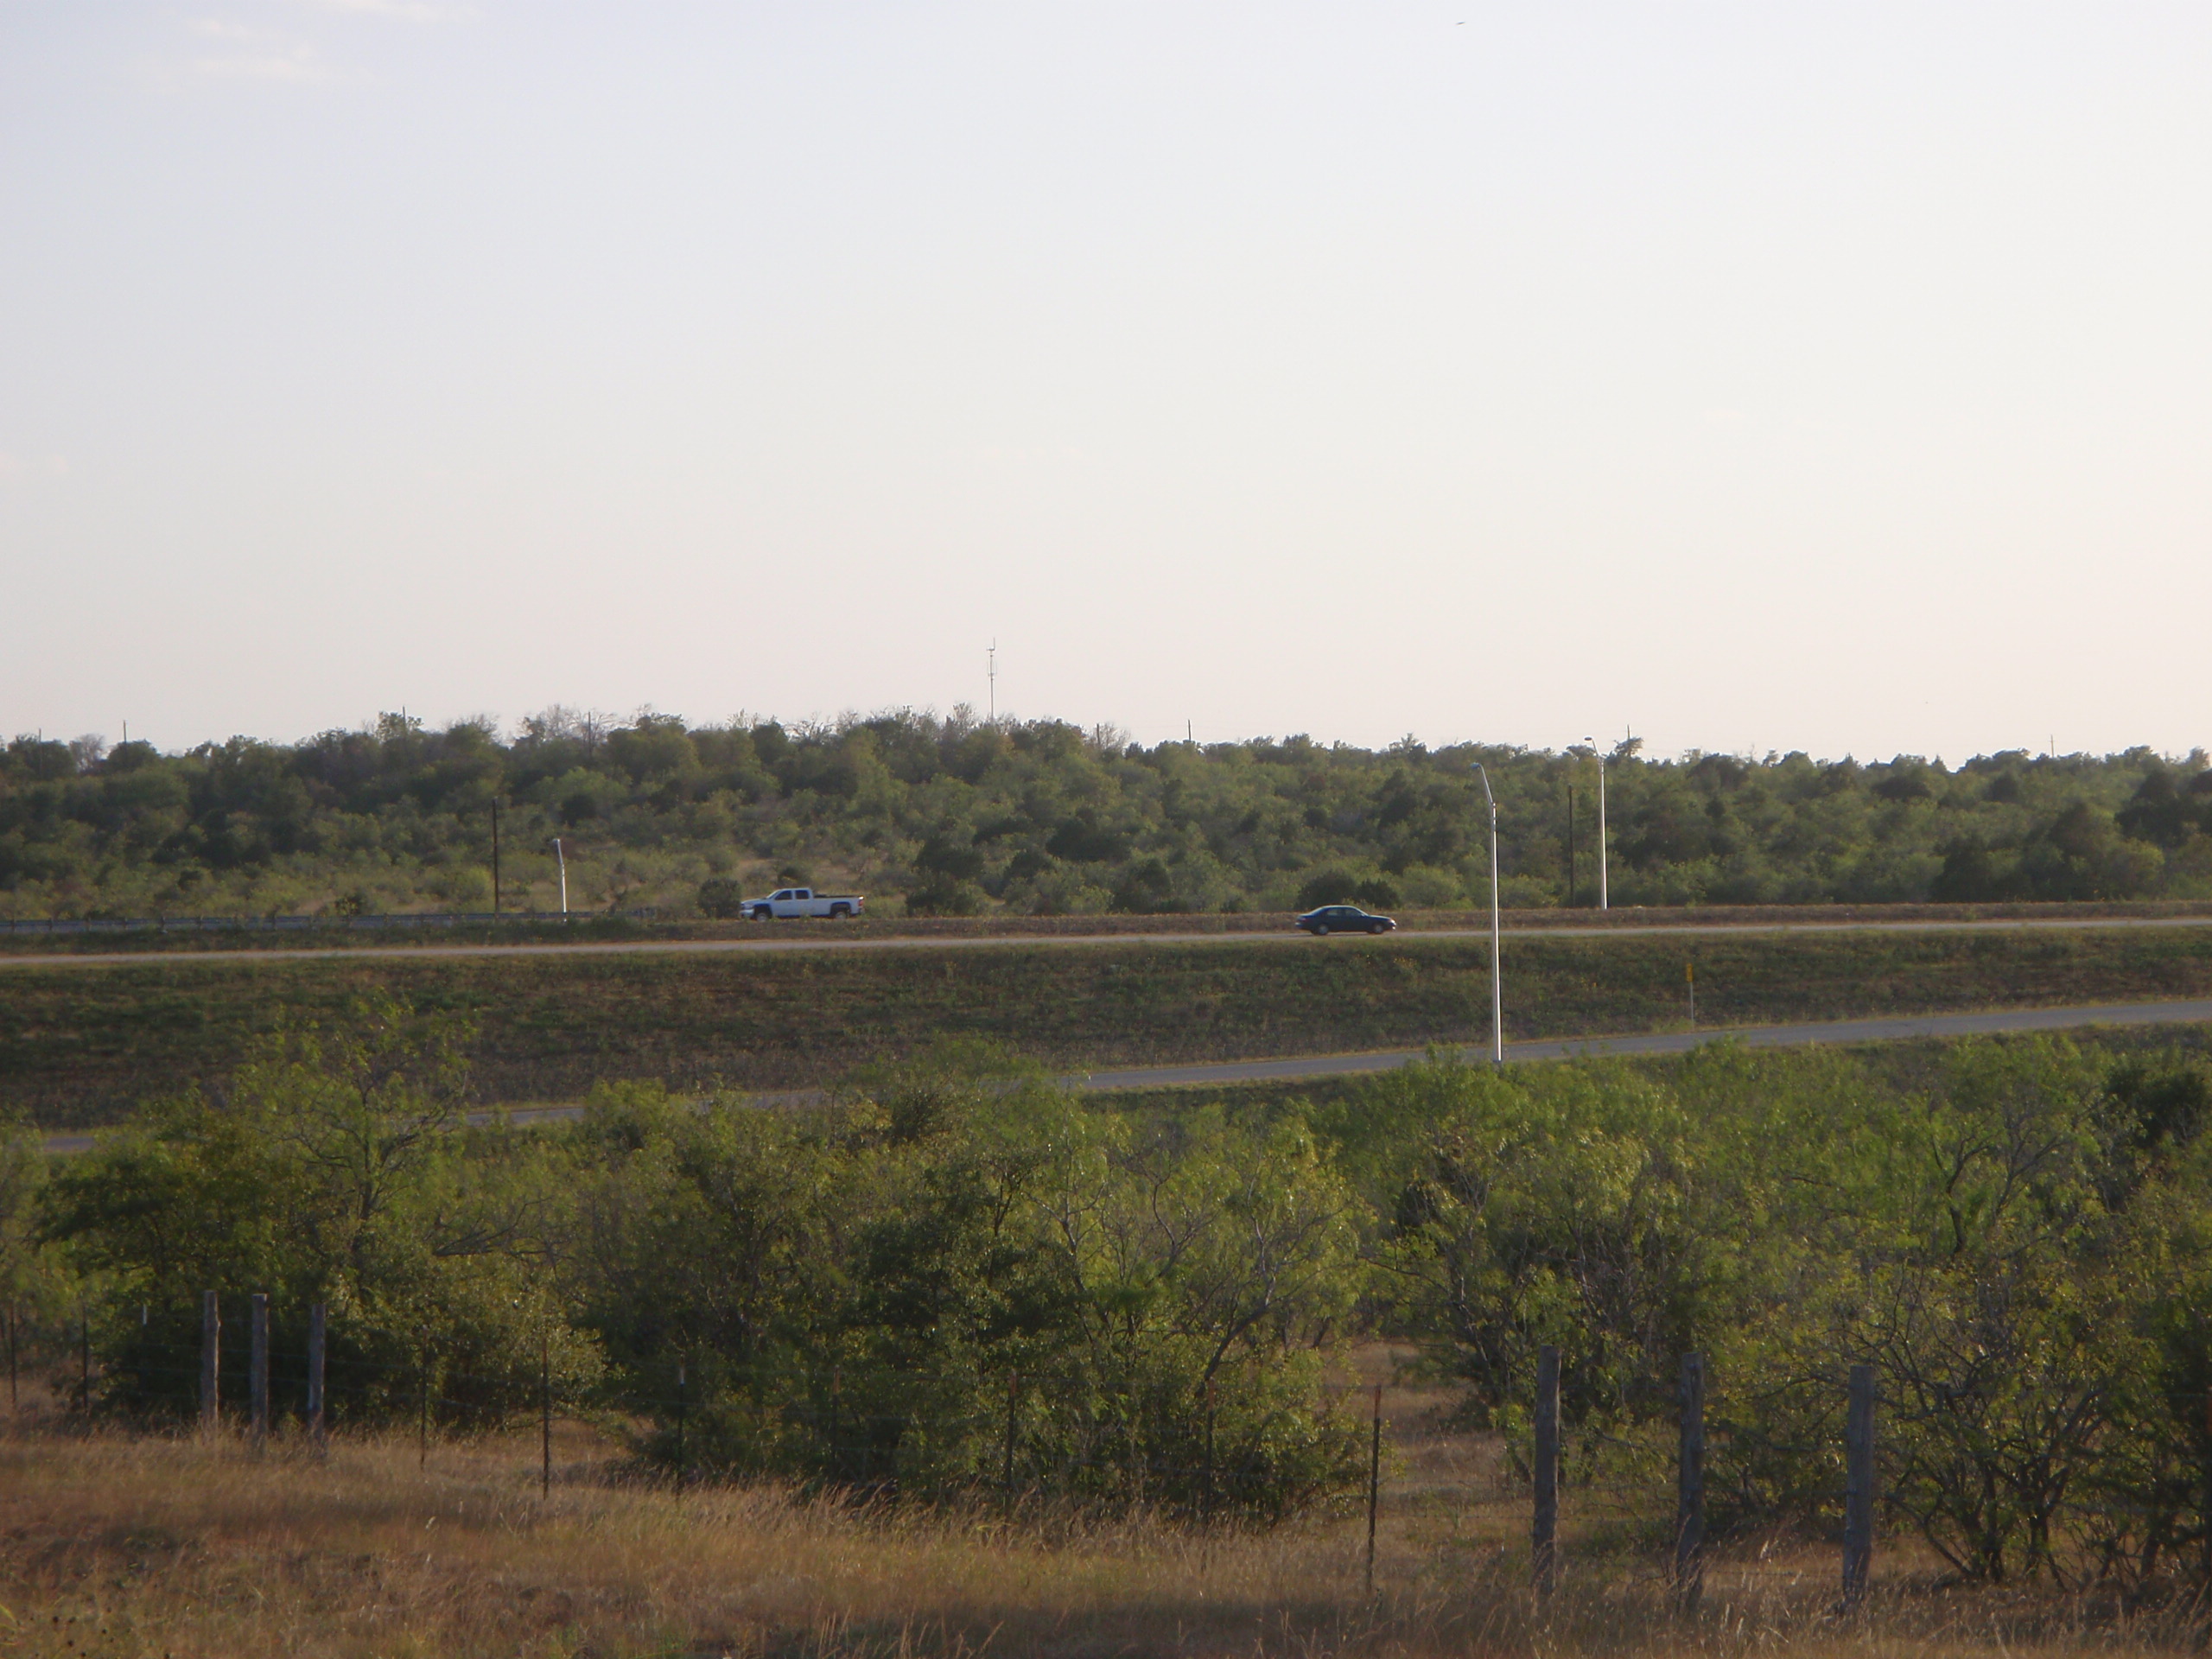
[(58, 925)]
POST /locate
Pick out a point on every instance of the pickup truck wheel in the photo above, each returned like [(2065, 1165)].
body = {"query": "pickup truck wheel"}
[(838, 913), (762, 913)]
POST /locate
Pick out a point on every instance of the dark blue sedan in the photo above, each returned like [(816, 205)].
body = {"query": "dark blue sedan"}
[(1344, 918)]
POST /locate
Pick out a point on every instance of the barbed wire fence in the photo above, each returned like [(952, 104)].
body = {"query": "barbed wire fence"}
[(258, 1387), (840, 1441)]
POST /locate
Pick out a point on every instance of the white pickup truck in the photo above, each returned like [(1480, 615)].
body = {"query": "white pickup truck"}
[(787, 903)]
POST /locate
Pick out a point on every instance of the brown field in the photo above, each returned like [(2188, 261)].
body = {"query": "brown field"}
[(114, 1544)]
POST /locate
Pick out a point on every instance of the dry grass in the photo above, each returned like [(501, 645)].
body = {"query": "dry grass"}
[(137, 1546)]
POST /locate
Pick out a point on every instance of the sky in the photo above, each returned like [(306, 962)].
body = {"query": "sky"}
[(1748, 377)]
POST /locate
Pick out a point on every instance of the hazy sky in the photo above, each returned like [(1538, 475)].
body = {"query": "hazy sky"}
[(1758, 375)]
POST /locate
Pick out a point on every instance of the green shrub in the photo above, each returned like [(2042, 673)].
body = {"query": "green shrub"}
[(721, 898)]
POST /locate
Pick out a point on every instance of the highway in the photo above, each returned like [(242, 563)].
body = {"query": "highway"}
[(822, 937), (1888, 1029)]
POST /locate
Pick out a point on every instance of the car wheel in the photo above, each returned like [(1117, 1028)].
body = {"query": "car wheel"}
[(1375, 927), (1320, 930)]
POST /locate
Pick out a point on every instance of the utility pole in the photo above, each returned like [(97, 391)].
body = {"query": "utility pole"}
[(1570, 847), (495, 855), (993, 673), (1497, 991), (1603, 897), (559, 853)]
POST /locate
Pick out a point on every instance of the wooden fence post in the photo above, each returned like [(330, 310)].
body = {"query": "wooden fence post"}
[(316, 1316), (1544, 1530), (1689, 1508), (1859, 1487), (257, 1372), (211, 1360)]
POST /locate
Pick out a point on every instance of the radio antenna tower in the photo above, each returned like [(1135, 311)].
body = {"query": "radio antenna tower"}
[(993, 659)]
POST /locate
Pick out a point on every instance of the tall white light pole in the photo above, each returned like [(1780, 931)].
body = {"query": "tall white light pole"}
[(1496, 988), (563, 857), (1600, 754)]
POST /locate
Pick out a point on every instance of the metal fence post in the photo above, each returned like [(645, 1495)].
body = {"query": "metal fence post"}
[(316, 1315), (545, 1412), (1374, 1484), (1689, 1509), (1205, 1502), (257, 1372), (1544, 1529), (1859, 1487), (211, 1360)]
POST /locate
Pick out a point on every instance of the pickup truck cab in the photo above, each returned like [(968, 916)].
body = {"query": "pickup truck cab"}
[(786, 904)]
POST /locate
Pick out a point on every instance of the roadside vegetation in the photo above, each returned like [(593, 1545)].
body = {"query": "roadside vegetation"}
[(953, 1317), (82, 1042), (955, 816)]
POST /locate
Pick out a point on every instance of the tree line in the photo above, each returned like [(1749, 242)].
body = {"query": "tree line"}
[(953, 816), (951, 1278)]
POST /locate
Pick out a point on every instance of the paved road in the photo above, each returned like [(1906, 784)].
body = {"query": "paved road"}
[(810, 939), (1889, 1029)]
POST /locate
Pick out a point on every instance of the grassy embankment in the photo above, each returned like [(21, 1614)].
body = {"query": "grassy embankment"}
[(114, 1545), (79, 1044)]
